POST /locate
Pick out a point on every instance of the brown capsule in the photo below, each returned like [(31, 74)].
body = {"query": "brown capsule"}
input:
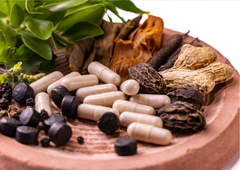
[(182, 115), (186, 94), (150, 81), (161, 56)]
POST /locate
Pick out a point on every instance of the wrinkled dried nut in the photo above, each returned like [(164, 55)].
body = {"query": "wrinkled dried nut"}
[(30, 102), (4, 103), (182, 115), (43, 115), (186, 94), (150, 81), (3, 88), (193, 58)]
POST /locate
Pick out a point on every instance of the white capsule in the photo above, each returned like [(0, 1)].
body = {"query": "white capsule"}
[(42, 84), (148, 133), (104, 99), (126, 118), (156, 101), (43, 101), (58, 82), (74, 83), (97, 89), (104, 73), (93, 112), (123, 105), (130, 87)]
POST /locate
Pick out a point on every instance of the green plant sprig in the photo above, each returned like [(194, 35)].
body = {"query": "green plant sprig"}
[(14, 75), (26, 26)]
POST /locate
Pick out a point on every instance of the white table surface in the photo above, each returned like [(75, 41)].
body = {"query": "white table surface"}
[(215, 22)]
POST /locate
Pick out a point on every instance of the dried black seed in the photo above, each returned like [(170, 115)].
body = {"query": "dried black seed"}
[(30, 117), (69, 106), (22, 92), (8, 126), (3, 88), (125, 146), (27, 135), (51, 120), (8, 95), (108, 123), (43, 115), (58, 94), (60, 133), (45, 142), (30, 102), (4, 103), (80, 139)]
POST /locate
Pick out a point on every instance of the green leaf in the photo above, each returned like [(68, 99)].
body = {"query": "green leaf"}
[(6, 6), (82, 30), (23, 53), (40, 28), (2, 15), (54, 17), (58, 45), (91, 14), (47, 66), (110, 6), (41, 47), (64, 5), (31, 6), (16, 16), (111, 21), (60, 38), (9, 32), (2, 78), (4, 49), (78, 7), (127, 5)]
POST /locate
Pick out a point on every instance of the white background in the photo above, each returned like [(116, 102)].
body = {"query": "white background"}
[(215, 22)]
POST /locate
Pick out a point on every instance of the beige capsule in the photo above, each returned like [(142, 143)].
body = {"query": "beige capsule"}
[(104, 73), (130, 87), (74, 83), (97, 89), (126, 118), (123, 105), (104, 99), (42, 84), (58, 82), (43, 101), (93, 112), (156, 101), (150, 134)]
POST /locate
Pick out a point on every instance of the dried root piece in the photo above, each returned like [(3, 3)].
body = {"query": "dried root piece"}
[(148, 78), (182, 115), (193, 58)]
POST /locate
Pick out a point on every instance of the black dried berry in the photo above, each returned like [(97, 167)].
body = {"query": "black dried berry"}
[(4, 103), (69, 106), (58, 93), (8, 95), (45, 142), (30, 102), (30, 117), (108, 123), (60, 133), (27, 135), (125, 146)]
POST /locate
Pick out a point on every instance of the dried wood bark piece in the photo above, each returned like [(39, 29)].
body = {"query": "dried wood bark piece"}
[(186, 94), (138, 48), (79, 51), (150, 81), (104, 44), (124, 33), (182, 115)]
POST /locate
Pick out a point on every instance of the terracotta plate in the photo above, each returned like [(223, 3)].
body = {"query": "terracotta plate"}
[(211, 148)]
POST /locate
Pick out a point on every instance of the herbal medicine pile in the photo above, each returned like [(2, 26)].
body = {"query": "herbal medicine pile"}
[(163, 93)]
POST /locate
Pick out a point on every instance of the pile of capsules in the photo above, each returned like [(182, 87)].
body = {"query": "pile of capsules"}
[(102, 103)]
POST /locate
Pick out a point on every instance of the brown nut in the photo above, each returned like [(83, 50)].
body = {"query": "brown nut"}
[(182, 115), (186, 94), (150, 81)]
